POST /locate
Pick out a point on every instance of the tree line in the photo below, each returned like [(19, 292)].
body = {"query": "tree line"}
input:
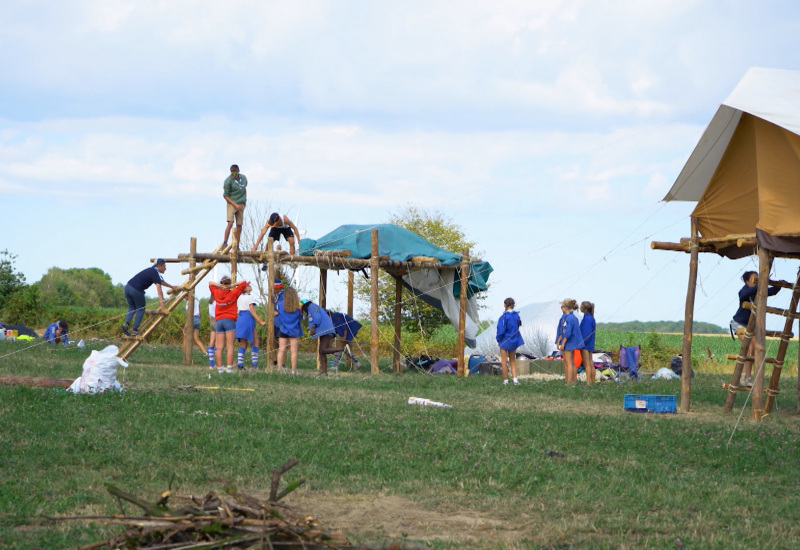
[(662, 327)]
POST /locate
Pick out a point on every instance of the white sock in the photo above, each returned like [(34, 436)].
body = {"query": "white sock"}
[(516, 381), (505, 382)]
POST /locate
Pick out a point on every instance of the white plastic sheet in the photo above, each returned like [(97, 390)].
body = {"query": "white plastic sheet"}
[(99, 372)]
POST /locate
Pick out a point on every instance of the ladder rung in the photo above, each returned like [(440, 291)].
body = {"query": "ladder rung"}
[(779, 334), (773, 310)]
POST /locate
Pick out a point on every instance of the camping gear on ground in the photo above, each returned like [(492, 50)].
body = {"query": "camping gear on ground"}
[(676, 364), (651, 403), (473, 363), (665, 374), (629, 360), (445, 366), (99, 372), (422, 363), (18, 330)]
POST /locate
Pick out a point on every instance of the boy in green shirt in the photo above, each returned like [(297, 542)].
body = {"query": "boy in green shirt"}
[(235, 195)]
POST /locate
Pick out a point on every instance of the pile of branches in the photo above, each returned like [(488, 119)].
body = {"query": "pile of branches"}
[(231, 521)]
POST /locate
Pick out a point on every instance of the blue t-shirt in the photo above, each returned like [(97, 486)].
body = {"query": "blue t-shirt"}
[(508, 336), (588, 330), (146, 278), (571, 330), (289, 323)]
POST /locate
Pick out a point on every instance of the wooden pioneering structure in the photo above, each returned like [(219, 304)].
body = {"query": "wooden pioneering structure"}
[(745, 175), (201, 264)]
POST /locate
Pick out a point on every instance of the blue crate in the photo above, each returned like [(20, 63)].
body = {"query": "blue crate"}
[(651, 403)]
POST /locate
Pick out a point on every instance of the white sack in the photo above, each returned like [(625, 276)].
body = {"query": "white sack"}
[(99, 372)]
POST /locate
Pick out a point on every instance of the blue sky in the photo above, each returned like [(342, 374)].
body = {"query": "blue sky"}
[(549, 131)]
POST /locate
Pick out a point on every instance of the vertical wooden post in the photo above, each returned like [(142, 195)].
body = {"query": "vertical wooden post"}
[(350, 283), (272, 352), (462, 311), (188, 327), (780, 356), (323, 301), (398, 312), (688, 323), (234, 258), (757, 398), (374, 338)]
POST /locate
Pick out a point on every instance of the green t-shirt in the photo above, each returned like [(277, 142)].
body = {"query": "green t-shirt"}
[(236, 189)]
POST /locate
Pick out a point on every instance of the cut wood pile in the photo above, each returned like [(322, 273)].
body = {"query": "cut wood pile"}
[(232, 520)]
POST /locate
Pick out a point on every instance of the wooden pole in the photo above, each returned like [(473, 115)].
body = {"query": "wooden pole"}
[(398, 313), (350, 285), (764, 264), (786, 335), (733, 387), (374, 338), (271, 344), (323, 302), (188, 327), (688, 322), (462, 310)]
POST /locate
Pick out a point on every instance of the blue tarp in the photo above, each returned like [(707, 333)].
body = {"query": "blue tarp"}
[(399, 244)]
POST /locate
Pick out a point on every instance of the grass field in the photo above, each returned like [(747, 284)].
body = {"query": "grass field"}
[(536, 466)]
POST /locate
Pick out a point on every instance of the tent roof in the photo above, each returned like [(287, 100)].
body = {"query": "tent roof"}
[(772, 95)]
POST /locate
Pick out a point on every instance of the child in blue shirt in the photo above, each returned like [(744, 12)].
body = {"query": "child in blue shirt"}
[(288, 317), (509, 339), (320, 326), (569, 339), (588, 329)]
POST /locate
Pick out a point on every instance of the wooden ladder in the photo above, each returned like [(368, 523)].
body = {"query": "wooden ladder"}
[(152, 321), (777, 362)]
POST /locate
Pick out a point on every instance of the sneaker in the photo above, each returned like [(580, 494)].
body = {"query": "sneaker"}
[(134, 332), (220, 370), (264, 267), (126, 329), (748, 381), (229, 370), (516, 382), (240, 367)]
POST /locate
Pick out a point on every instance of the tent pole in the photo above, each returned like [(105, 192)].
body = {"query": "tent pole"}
[(688, 321), (764, 264), (398, 312), (188, 327), (462, 310), (373, 306)]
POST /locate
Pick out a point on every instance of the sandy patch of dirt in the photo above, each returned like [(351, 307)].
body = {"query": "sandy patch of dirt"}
[(390, 517)]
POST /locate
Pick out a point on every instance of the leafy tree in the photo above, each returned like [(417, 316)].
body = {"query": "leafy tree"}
[(23, 306), (87, 287), (440, 231), (10, 279)]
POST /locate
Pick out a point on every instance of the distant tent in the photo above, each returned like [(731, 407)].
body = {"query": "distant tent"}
[(539, 324), (745, 171)]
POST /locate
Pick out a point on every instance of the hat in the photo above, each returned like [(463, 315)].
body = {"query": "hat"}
[(303, 301), (273, 218), (160, 261), (277, 283)]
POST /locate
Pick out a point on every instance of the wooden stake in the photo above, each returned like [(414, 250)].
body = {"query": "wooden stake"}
[(188, 327), (398, 312), (373, 309), (764, 264), (686, 374), (462, 310)]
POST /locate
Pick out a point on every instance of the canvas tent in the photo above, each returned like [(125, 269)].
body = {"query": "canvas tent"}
[(745, 171), (438, 287)]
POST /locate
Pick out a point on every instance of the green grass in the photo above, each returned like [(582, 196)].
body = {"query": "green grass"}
[(623, 480)]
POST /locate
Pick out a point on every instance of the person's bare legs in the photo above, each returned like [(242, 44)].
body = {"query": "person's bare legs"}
[(569, 365), (218, 346), (512, 360), (282, 342), (290, 240), (325, 348), (294, 344), (503, 366), (227, 231), (588, 365)]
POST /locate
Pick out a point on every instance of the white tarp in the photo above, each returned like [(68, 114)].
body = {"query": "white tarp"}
[(770, 94), (539, 326), (99, 372)]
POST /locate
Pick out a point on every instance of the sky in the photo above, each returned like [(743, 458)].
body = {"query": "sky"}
[(548, 131)]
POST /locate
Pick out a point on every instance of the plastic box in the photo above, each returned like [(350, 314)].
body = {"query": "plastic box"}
[(651, 403)]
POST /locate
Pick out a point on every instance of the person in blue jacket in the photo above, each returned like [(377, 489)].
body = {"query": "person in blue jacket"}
[(742, 316), (346, 328), (569, 339), (509, 339), (56, 333), (588, 330), (288, 320), (134, 295), (320, 326)]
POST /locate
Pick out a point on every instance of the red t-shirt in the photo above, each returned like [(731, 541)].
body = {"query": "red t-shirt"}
[(225, 300)]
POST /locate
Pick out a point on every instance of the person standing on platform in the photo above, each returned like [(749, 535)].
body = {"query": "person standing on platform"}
[(569, 339), (320, 326), (134, 295), (225, 312), (279, 226), (588, 330), (509, 339), (234, 191)]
